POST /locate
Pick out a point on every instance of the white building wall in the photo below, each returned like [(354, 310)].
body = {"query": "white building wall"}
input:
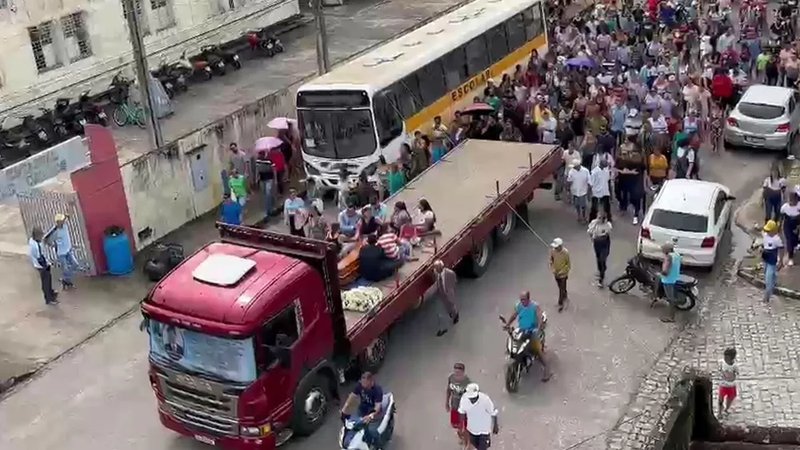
[(196, 23)]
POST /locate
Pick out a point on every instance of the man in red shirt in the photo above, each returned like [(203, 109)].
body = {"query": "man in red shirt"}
[(722, 89)]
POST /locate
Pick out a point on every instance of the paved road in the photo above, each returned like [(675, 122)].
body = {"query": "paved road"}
[(99, 397)]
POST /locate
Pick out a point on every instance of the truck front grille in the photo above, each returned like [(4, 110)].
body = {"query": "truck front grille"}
[(200, 404)]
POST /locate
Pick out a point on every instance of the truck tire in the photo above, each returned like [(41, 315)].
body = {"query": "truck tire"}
[(372, 358), (475, 264), (502, 233), (311, 401)]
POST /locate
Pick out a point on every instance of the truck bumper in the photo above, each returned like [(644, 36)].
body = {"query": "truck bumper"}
[(225, 442)]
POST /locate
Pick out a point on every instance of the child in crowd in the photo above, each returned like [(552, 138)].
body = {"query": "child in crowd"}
[(727, 384)]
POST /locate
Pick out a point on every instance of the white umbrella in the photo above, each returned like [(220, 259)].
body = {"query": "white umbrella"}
[(267, 143), (280, 123)]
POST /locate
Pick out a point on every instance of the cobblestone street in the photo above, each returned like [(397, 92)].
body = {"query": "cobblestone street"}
[(767, 339)]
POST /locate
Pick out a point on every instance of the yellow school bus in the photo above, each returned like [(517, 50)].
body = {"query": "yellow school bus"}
[(368, 107)]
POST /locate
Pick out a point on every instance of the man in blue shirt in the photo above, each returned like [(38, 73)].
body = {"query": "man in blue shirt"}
[(670, 273), (529, 319), (369, 396), (231, 213), (60, 239), (39, 262)]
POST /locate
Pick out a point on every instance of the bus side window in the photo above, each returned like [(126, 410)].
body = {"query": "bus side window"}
[(477, 56), (455, 68), (498, 44), (407, 92), (387, 115), (515, 29), (431, 82), (538, 19), (531, 29)]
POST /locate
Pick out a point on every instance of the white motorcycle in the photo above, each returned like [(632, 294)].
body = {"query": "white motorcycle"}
[(354, 430)]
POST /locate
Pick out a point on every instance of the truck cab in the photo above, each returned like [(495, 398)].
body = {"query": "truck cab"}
[(242, 343)]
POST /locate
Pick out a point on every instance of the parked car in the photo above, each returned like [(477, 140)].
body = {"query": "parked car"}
[(765, 117), (692, 214)]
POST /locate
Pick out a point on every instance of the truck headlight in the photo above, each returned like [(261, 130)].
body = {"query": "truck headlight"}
[(263, 430)]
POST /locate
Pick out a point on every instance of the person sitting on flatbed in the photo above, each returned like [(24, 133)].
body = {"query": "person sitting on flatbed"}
[(368, 224), (373, 263), (426, 222)]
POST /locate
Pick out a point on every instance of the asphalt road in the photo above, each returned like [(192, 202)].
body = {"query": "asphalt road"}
[(99, 398)]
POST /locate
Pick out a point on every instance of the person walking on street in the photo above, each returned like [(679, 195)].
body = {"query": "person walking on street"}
[(560, 266), (457, 383), (600, 233), (40, 263), (230, 211), (670, 273), (446, 293), (600, 182), (578, 182), (772, 257), (238, 187), (479, 417), (62, 242)]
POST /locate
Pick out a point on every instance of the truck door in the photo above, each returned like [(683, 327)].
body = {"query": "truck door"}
[(278, 338)]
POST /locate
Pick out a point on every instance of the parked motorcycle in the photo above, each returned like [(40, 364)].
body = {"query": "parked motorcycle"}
[(120, 88), (260, 40), (638, 272), (518, 351), (230, 57), (353, 433), (172, 78), (62, 119), (36, 131), (90, 111), (14, 147), (215, 62), (194, 68)]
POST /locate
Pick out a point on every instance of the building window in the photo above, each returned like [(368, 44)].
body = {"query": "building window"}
[(3, 4), (44, 50), (76, 38), (143, 25), (162, 15)]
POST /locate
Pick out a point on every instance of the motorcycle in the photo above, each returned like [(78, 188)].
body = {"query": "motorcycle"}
[(518, 351), (213, 61), (353, 433), (196, 68), (637, 272), (36, 131), (120, 88), (267, 43), (90, 112), (230, 57), (13, 147), (62, 119)]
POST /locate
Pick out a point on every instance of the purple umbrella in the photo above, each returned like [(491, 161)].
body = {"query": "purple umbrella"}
[(581, 61), (267, 143)]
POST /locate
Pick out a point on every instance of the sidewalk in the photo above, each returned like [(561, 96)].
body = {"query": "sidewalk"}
[(750, 218)]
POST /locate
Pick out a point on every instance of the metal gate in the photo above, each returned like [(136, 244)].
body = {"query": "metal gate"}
[(38, 208)]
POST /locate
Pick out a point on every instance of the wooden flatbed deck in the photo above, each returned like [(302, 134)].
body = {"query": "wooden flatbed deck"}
[(459, 188)]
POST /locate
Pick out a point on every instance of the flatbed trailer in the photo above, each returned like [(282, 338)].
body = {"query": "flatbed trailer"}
[(249, 337)]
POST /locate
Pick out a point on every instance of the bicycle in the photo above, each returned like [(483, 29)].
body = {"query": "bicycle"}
[(127, 114)]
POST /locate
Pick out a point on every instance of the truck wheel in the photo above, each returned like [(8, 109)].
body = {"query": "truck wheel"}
[(476, 263), (372, 358), (504, 229), (311, 403)]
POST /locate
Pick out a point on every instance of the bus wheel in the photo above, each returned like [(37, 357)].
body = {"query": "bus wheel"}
[(504, 229), (372, 358), (311, 402), (475, 264)]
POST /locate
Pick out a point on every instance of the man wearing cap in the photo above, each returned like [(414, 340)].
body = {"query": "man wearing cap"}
[(62, 242), (560, 265), (772, 257), (480, 416)]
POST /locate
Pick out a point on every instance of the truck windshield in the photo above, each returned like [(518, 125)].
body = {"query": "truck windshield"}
[(220, 358), (337, 133)]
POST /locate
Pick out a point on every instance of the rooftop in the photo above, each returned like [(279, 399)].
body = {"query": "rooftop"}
[(767, 95), (687, 196)]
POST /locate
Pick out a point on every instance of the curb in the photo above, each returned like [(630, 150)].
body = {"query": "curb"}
[(756, 281)]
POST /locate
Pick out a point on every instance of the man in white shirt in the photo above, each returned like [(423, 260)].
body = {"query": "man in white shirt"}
[(40, 263), (600, 182), (481, 416), (578, 179)]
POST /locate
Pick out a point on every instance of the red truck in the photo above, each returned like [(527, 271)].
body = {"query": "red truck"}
[(249, 338)]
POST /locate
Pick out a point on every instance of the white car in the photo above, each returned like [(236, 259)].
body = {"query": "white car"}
[(692, 214)]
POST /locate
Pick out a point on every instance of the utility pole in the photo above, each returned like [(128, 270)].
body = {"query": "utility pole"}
[(140, 61), (323, 63)]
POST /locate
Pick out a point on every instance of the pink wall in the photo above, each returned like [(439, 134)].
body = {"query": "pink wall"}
[(100, 191)]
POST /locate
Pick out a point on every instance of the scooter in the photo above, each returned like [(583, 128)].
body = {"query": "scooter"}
[(61, 119), (36, 131), (91, 112), (230, 57), (13, 147), (196, 68), (261, 40), (638, 272), (518, 352), (213, 61), (352, 436)]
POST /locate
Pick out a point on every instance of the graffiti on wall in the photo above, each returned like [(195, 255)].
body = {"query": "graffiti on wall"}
[(23, 176)]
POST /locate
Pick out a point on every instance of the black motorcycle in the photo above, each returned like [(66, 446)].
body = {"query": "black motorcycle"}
[(230, 57), (638, 271), (214, 62), (62, 119), (14, 147), (36, 131), (171, 78), (520, 357), (262, 41), (90, 111)]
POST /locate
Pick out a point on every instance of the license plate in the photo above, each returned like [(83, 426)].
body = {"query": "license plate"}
[(168, 85), (204, 439), (235, 57), (754, 139), (221, 64)]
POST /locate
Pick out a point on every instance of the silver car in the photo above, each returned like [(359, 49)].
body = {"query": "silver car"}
[(765, 117)]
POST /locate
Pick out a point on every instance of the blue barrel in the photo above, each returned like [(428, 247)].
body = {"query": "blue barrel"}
[(117, 248)]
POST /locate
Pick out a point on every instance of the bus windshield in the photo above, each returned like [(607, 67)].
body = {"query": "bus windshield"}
[(337, 134)]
